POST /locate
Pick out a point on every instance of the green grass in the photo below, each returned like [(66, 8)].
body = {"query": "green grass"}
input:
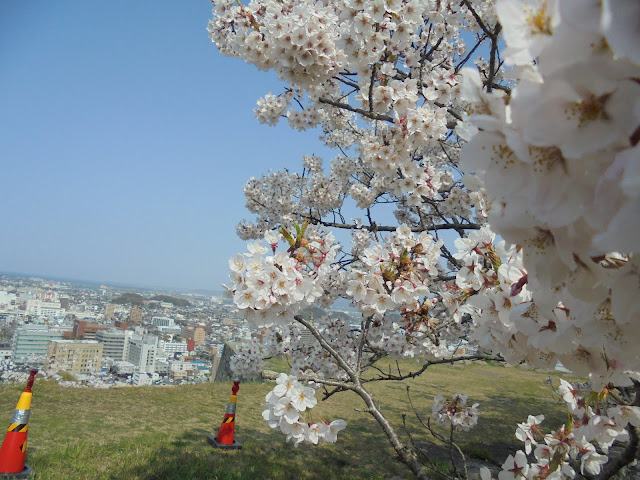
[(160, 432), (69, 377)]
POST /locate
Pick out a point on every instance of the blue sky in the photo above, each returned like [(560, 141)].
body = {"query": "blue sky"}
[(125, 141)]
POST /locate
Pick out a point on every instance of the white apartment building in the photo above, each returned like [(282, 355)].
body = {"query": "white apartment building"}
[(38, 308), (162, 366), (169, 348), (162, 321), (140, 378), (142, 353), (8, 301)]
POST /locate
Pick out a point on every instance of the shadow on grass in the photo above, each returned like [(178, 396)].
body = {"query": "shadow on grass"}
[(263, 456), (493, 438)]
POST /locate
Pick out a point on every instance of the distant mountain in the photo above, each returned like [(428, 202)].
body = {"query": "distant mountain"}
[(178, 302)]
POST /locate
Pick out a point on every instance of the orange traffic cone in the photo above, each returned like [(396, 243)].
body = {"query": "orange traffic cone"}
[(14, 447), (225, 438)]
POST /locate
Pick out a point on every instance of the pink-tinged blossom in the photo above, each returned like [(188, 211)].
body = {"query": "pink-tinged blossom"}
[(316, 432), (526, 432), (331, 435), (625, 414), (590, 460), (514, 468)]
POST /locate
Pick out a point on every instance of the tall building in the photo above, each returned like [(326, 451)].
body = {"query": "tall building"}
[(80, 356), (169, 348), (65, 303), (8, 301), (38, 308), (162, 321), (86, 330), (109, 311), (142, 353), (32, 341), (194, 333), (135, 315), (113, 342)]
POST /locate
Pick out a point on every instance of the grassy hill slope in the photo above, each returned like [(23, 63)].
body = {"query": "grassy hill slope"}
[(160, 432)]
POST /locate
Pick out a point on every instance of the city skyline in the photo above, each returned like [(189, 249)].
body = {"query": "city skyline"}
[(97, 283), (126, 142)]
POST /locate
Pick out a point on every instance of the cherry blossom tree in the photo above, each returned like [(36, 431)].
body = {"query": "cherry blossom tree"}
[(511, 124)]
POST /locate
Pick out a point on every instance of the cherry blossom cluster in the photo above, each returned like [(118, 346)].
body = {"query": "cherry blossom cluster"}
[(307, 357), (396, 55), (543, 148), (558, 159), (271, 107), (287, 405), (247, 362), (454, 412), (273, 288), (395, 274), (283, 198), (297, 39), (555, 453), (493, 286)]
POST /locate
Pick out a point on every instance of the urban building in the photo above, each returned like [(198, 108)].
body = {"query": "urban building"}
[(142, 353), (169, 348), (65, 303), (6, 354), (32, 341), (135, 315), (140, 379), (122, 368), (162, 321), (113, 342), (162, 367), (171, 329), (38, 308), (7, 301), (86, 330), (197, 334), (80, 356), (109, 311)]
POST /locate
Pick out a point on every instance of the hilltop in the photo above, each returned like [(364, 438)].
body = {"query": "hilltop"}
[(178, 302), (130, 298), (137, 299)]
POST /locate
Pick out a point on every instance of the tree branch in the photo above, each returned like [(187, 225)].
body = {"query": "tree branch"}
[(364, 113), (389, 377), (385, 228), (481, 23), (492, 58), (310, 378), (466, 59), (316, 333)]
